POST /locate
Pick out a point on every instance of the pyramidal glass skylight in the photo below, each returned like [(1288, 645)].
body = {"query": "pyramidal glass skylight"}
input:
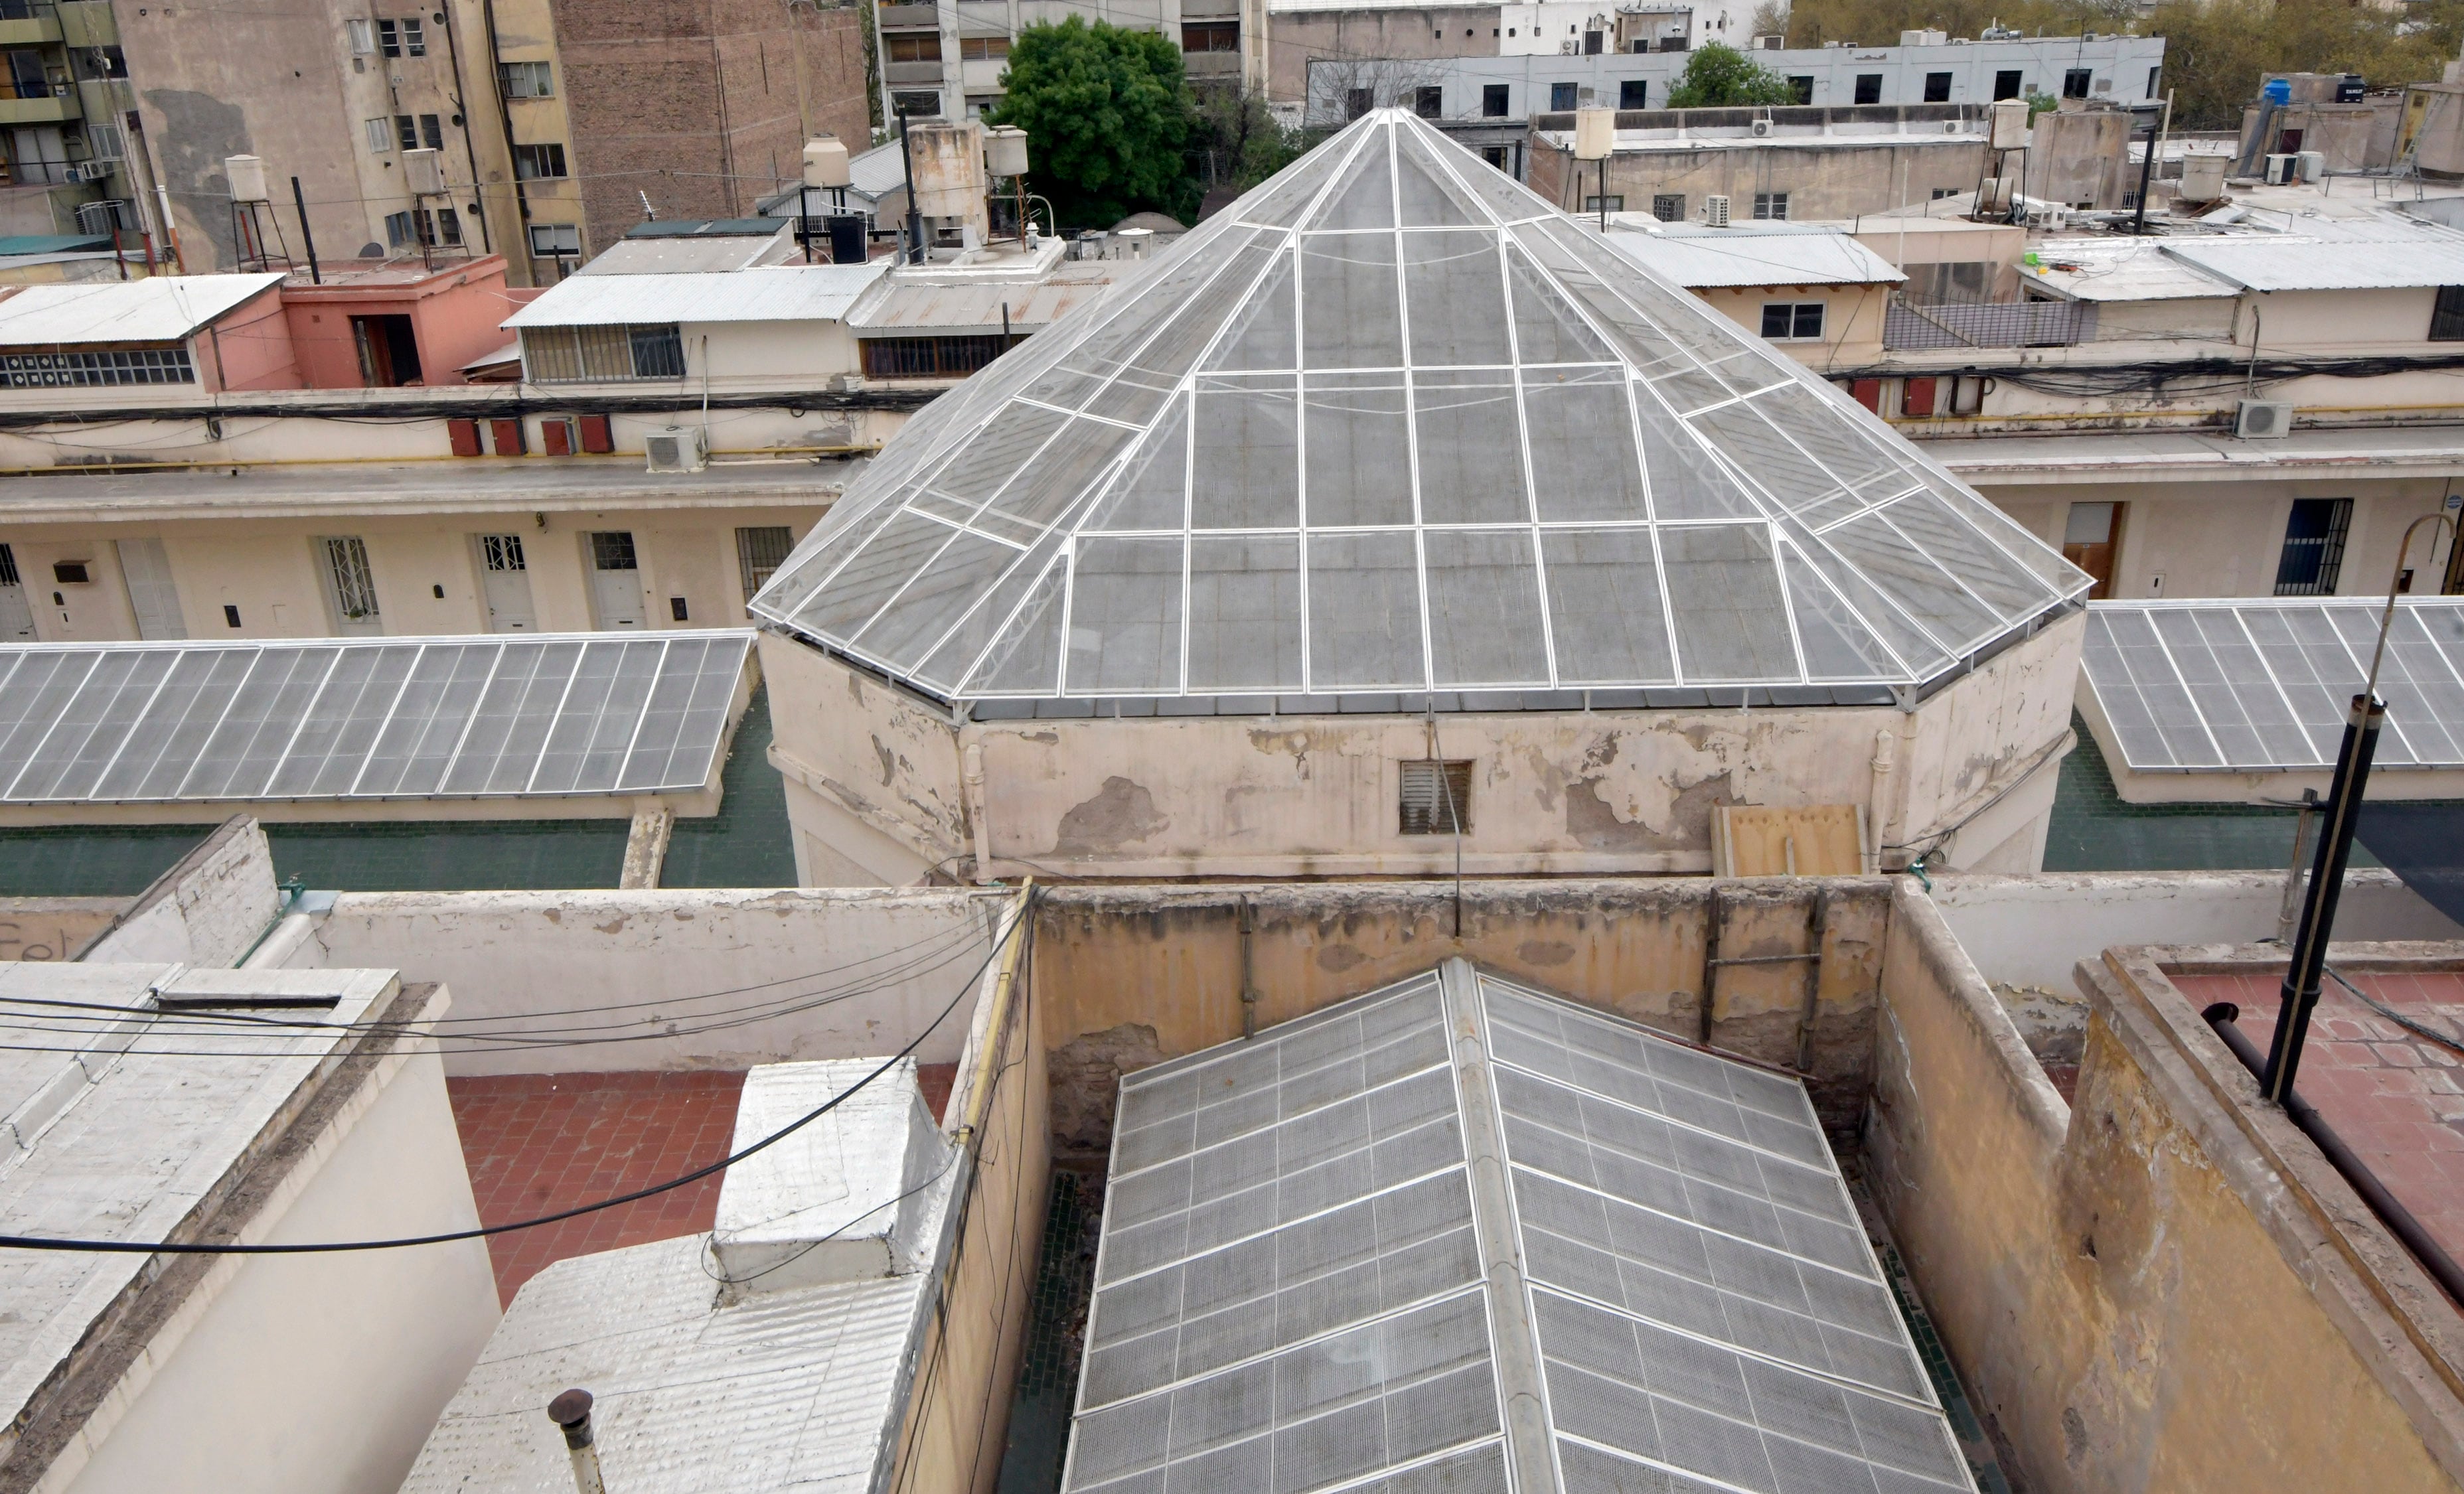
[(1392, 424), (1460, 1237)]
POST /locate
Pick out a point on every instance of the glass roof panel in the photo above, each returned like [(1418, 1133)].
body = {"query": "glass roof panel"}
[(1388, 338), (1303, 1282)]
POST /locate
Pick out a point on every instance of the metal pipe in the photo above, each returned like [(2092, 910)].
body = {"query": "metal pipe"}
[(308, 236), (2390, 1210), (915, 215), (2291, 907), (571, 1412), (2309, 953)]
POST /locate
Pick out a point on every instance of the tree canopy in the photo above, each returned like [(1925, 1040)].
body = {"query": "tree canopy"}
[(1717, 77), (1108, 115)]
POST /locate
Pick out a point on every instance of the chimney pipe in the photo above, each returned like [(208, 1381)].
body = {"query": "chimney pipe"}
[(571, 1412)]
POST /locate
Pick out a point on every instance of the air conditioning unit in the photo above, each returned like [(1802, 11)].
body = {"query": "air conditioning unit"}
[(678, 449), (1762, 127), (92, 171), (2280, 169), (1953, 126), (1715, 212), (2262, 420), (1771, 44)]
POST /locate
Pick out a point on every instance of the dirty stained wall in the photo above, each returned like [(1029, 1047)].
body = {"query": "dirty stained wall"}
[(878, 781), (2122, 1283)]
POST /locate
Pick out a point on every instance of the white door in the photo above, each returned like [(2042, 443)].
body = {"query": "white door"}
[(350, 587), (151, 592), (16, 614), (615, 580), (505, 582)]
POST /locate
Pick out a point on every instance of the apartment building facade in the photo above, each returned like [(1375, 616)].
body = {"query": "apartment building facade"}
[(72, 149), (554, 125)]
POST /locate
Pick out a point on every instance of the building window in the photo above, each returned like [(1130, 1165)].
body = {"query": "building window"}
[(569, 354), (928, 357), (1793, 322), (915, 104), (1801, 88), (2313, 547), (68, 368), (989, 49), (1668, 207), (1937, 88), (1634, 93), (533, 163), (1358, 101), (1434, 798), (1429, 103), (1614, 201), (526, 80), (104, 61), (2075, 83), (760, 553), (1202, 36), (502, 552), (1494, 155), (380, 137), (1492, 101), (406, 127), (1869, 88), (552, 240), (398, 231), (441, 228), (1771, 205), (925, 47), (2155, 76), (612, 549), (354, 588), (432, 132), (406, 37), (2447, 315), (2006, 85), (1561, 97), (362, 36)]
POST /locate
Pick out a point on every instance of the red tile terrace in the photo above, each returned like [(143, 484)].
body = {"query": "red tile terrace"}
[(539, 1143)]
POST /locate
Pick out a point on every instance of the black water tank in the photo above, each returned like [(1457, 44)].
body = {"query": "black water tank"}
[(847, 238)]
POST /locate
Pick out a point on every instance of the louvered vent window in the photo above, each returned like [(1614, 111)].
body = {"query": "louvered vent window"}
[(1435, 797)]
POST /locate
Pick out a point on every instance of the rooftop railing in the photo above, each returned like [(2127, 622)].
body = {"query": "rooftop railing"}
[(1909, 326)]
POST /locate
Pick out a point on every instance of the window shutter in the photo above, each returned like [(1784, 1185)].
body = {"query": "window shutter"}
[(1435, 796)]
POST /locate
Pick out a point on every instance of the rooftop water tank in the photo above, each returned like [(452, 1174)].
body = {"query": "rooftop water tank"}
[(2278, 91)]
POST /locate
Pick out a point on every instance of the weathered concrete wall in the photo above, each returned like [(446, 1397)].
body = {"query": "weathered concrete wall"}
[(52, 927), (205, 910), (564, 981), (2121, 1282), (1563, 793), (1129, 977)]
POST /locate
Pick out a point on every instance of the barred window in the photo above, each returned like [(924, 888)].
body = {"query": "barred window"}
[(928, 357), (102, 366), (760, 552), (563, 355), (1436, 796)]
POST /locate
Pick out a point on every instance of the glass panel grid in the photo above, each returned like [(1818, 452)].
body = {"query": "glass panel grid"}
[(1276, 1307), (155, 723), (2265, 684), (1369, 364)]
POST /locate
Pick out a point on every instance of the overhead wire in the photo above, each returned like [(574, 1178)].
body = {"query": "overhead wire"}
[(57, 1244)]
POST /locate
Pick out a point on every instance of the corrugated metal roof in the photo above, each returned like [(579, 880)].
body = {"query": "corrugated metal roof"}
[(694, 255), (159, 309), (1699, 261), (2130, 272), (922, 307), (2303, 264), (788, 1390), (877, 172), (772, 293)]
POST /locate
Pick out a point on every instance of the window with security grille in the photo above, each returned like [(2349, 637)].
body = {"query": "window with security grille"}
[(2313, 547), (760, 553), (1434, 795), (502, 552), (1771, 205), (101, 367), (9, 567), (353, 587), (1668, 207), (2447, 315), (928, 357), (612, 549), (569, 354)]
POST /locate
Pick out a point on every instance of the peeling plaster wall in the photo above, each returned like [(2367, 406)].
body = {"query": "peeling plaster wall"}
[(1131, 976), (2112, 1296), (1571, 793), (870, 970), (205, 910)]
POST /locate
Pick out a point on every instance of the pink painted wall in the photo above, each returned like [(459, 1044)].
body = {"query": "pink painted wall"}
[(455, 317), (249, 348)]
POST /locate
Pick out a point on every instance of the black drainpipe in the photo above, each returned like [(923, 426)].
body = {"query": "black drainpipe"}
[(2390, 1211)]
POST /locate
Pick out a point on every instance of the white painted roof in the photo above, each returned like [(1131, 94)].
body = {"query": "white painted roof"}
[(137, 1150), (158, 309), (2307, 264), (1705, 258), (687, 255), (786, 1390), (772, 293), (2088, 269)]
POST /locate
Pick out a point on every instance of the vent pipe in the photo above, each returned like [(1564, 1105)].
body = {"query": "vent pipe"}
[(571, 1413)]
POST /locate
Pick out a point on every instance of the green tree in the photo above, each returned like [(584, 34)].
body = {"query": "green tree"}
[(1239, 144), (1107, 114), (1717, 77)]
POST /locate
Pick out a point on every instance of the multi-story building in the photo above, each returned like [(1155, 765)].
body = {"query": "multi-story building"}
[(555, 127), (71, 150)]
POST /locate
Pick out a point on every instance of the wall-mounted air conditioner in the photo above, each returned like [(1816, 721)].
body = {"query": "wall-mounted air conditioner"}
[(2262, 420), (1762, 127), (1952, 126), (1771, 43), (1715, 212), (2280, 169), (678, 449)]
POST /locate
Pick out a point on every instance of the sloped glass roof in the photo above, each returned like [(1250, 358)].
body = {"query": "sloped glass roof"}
[(1333, 1257), (1391, 424)]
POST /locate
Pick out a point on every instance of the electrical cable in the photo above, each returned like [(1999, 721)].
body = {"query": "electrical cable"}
[(53, 1244), (2417, 1029)]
